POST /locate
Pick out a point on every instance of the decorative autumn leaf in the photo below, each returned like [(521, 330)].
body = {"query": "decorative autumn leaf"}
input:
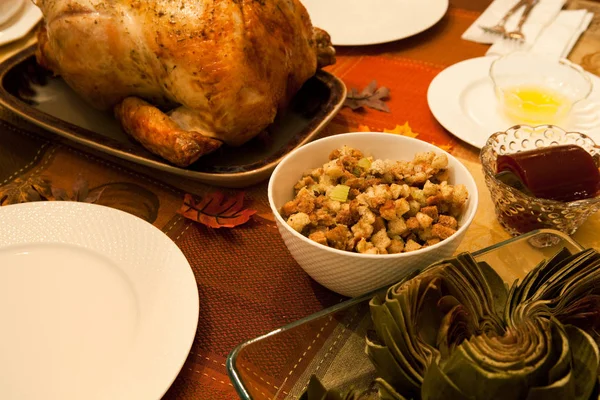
[(43, 187), (80, 189), (404, 130), (60, 194), (25, 190), (446, 147), (216, 211), (36, 188), (81, 192), (371, 96)]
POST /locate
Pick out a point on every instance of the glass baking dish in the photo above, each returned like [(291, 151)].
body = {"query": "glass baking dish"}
[(330, 344)]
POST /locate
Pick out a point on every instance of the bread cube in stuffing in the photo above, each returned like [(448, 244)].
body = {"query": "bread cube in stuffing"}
[(339, 237), (379, 224), (402, 207), (441, 231), (415, 206), (333, 169), (319, 237), (432, 241), (298, 221), (431, 211), (366, 247), (425, 234), (411, 245), (377, 195), (388, 210), (413, 223), (460, 195), (424, 220), (381, 240), (425, 157), (396, 246), (364, 228), (397, 226), (430, 189), (440, 161), (448, 221), (419, 196)]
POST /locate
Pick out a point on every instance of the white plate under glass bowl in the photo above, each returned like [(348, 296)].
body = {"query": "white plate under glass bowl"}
[(9, 8), (95, 304), (362, 22), (462, 99), (18, 21)]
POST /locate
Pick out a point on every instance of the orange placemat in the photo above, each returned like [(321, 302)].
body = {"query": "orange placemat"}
[(408, 81)]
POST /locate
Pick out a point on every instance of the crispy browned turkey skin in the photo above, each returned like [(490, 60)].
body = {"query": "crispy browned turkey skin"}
[(222, 68)]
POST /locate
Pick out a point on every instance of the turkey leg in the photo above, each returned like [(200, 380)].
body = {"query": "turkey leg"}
[(160, 134)]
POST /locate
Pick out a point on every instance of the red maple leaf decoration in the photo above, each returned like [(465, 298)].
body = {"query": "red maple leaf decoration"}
[(216, 211)]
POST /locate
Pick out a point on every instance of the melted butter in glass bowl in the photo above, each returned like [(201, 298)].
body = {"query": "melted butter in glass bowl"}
[(536, 89)]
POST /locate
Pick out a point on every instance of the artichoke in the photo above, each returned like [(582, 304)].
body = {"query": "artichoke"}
[(456, 331), (316, 391)]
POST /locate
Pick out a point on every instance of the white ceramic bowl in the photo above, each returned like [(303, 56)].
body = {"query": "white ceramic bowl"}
[(353, 274)]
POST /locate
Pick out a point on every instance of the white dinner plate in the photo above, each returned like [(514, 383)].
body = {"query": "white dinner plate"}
[(95, 304), (462, 99), (9, 8), (361, 22), (21, 23)]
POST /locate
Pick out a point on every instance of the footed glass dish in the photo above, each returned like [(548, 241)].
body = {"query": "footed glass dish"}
[(518, 212), (331, 343)]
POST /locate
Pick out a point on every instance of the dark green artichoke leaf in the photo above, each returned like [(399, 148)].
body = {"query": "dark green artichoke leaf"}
[(389, 370), (504, 367), (403, 308), (460, 283), (527, 288), (387, 391), (427, 322), (466, 281), (583, 313), (541, 273), (581, 377), (455, 327), (565, 270), (570, 292), (437, 386), (462, 279), (563, 388), (499, 288), (316, 391), (586, 359), (519, 290), (394, 334)]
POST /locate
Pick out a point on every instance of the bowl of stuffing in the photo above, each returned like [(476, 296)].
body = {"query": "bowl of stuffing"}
[(359, 211)]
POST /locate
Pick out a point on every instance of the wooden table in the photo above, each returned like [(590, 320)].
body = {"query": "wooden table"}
[(244, 290)]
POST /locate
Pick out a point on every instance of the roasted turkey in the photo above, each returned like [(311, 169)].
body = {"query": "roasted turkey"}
[(184, 76)]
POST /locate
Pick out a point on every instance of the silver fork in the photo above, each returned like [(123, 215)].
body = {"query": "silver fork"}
[(499, 28), (518, 34)]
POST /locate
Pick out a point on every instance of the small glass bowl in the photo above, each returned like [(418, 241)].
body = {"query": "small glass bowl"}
[(536, 89), (519, 213)]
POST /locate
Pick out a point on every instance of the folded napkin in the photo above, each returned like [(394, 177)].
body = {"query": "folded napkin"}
[(555, 40), (542, 14), (560, 36)]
